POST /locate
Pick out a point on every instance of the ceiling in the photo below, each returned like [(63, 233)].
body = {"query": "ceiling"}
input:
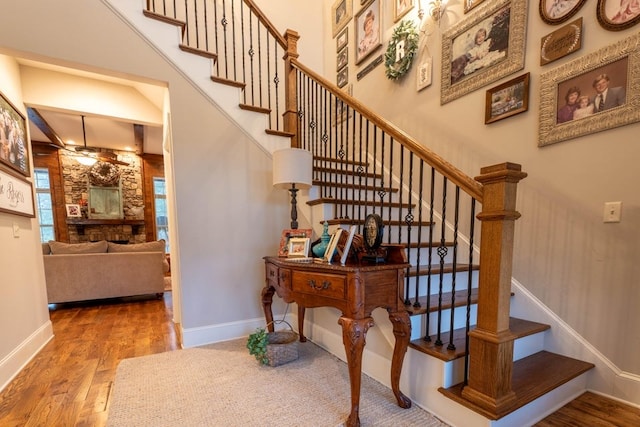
[(101, 131)]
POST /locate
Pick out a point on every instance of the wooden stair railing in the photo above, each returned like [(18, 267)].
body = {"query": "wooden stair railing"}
[(345, 136)]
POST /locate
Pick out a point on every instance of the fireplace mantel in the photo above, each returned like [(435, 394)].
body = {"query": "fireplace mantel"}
[(80, 223)]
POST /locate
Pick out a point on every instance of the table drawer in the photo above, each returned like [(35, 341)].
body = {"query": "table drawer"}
[(327, 285)]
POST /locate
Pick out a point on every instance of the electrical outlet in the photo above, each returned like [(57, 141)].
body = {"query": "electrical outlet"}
[(612, 211), (16, 230)]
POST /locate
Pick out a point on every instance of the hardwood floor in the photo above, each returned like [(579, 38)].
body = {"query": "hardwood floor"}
[(69, 382), (593, 410)]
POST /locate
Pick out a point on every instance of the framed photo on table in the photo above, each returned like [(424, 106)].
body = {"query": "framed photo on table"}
[(483, 48), (571, 103), (298, 247), (287, 235), (14, 147), (367, 28)]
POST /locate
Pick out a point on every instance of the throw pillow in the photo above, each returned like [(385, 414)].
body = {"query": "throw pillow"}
[(58, 248), (157, 246)]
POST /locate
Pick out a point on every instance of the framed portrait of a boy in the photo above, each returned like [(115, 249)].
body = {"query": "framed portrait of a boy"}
[(593, 93), (483, 48)]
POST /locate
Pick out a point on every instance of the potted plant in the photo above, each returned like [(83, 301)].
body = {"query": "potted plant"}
[(257, 345)]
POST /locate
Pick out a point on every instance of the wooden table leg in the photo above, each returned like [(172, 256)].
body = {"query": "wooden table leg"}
[(354, 332), (267, 299), (402, 332), (301, 311)]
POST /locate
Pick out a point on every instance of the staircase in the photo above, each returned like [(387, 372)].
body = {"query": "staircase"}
[(458, 231)]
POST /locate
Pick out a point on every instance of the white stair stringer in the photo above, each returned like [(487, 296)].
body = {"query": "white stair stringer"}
[(165, 40)]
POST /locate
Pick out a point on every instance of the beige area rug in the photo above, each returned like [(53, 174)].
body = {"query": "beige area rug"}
[(222, 385)]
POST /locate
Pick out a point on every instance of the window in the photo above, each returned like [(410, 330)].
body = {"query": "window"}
[(160, 206), (44, 205)]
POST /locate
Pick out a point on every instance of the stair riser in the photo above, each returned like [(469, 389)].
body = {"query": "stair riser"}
[(460, 320), (461, 282)]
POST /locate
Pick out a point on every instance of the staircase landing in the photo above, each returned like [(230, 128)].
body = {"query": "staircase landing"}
[(533, 377)]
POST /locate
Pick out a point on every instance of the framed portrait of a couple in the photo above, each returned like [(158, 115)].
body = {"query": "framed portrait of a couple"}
[(483, 48), (616, 15), (591, 94), (557, 11)]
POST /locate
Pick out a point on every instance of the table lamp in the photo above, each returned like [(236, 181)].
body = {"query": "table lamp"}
[(292, 170)]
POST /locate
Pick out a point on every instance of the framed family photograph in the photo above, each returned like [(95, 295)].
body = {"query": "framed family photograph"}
[(483, 48), (342, 39), (16, 194), (14, 146), (616, 15), (73, 210), (557, 11), (401, 8), (342, 77), (341, 13), (367, 29), (342, 59), (593, 93), (507, 99)]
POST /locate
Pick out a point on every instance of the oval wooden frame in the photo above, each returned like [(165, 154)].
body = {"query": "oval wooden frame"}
[(555, 21), (608, 24)]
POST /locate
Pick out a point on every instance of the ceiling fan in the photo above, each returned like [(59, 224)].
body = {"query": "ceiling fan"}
[(85, 155), (90, 155)]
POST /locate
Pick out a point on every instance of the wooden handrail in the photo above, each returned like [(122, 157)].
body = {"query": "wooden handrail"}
[(467, 184), (272, 29)]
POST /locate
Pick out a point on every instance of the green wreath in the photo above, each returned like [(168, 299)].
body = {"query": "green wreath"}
[(407, 33)]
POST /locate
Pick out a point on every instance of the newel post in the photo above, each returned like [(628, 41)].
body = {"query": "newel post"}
[(290, 91), (491, 342)]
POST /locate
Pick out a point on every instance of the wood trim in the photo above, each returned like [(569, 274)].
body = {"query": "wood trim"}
[(467, 184), (46, 156), (152, 166)]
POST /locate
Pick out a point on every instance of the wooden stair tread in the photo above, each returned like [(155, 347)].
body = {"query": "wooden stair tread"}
[(375, 203), (199, 52), (318, 159), (279, 133), (460, 299), (354, 186), (533, 377), (349, 221), (423, 270), (519, 327), (163, 18), (255, 108), (590, 409), (422, 245), (321, 169), (228, 82)]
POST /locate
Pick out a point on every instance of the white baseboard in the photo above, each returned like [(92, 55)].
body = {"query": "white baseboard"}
[(15, 361)]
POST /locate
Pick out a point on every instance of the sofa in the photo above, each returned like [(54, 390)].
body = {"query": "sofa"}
[(97, 270)]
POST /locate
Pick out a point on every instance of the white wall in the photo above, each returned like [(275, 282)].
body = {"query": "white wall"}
[(23, 299), (582, 269)]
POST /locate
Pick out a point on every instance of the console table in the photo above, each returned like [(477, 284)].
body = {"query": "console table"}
[(356, 290)]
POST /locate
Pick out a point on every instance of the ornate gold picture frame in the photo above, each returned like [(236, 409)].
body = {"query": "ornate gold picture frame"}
[(470, 62), (614, 66)]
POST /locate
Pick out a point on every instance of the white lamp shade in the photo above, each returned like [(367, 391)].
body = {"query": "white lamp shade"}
[(292, 166)]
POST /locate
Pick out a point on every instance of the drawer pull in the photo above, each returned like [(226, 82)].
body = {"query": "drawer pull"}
[(325, 285)]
